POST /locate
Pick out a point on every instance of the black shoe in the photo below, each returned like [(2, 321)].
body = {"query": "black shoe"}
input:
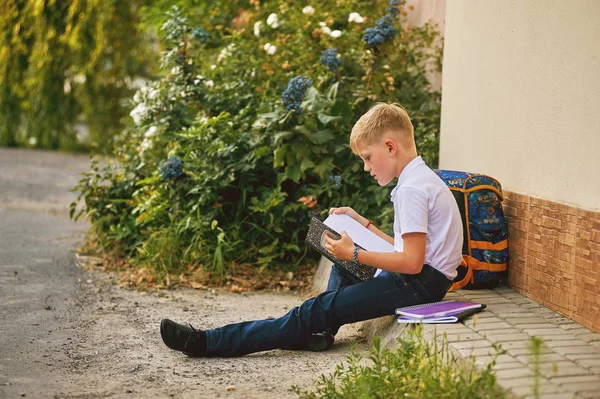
[(183, 338), (320, 341)]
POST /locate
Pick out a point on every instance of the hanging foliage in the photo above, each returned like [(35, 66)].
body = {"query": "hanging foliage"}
[(66, 67)]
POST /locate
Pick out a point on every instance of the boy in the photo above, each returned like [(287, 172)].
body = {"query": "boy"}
[(427, 241)]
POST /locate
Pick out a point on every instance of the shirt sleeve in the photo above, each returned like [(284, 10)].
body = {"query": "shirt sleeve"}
[(411, 209)]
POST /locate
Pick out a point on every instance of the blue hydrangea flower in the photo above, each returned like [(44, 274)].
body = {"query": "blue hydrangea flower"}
[(337, 180), (330, 60), (294, 93), (392, 11), (381, 33), (171, 169), (201, 34)]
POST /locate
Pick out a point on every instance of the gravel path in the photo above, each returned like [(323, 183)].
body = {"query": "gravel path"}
[(69, 332)]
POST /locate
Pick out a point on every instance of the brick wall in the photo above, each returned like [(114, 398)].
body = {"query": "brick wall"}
[(555, 256)]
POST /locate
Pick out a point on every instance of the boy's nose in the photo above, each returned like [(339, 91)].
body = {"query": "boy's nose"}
[(366, 168)]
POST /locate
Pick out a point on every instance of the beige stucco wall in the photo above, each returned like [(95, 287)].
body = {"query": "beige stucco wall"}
[(421, 11), (521, 95), (433, 11)]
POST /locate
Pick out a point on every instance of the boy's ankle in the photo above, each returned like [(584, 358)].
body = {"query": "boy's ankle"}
[(320, 341)]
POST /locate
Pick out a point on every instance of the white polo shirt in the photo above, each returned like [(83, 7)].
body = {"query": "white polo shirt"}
[(424, 204)]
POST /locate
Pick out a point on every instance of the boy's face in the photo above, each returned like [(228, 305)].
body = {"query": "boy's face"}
[(378, 161)]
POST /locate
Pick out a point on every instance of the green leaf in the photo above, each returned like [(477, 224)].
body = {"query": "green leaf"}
[(324, 168), (147, 181), (279, 156), (342, 108), (306, 164), (293, 172), (262, 151), (322, 136), (281, 136), (311, 94), (333, 91), (327, 119), (270, 115)]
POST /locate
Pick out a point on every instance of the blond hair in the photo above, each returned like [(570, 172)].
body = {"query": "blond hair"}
[(381, 119)]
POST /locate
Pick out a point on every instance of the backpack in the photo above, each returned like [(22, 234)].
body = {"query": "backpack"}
[(485, 245)]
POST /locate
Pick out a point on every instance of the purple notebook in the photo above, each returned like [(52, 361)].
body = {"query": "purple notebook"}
[(436, 310)]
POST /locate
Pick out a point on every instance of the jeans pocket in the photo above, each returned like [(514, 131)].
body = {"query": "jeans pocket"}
[(432, 288), (400, 279)]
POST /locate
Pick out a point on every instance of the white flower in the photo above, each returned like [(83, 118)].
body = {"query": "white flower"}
[(213, 66), (335, 33), (152, 93), (226, 52), (323, 24), (67, 87), (204, 119), (79, 78), (175, 70), (138, 113), (273, 20), (150, 132), (257, 28), (355, 17), (269, 48), (209, 83), (146, 144), (308, 10), (326, 30), (32, 141)]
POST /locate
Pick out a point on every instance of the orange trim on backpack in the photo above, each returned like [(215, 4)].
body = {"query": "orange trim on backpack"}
[(466, 280), (499, 246), (476, 264), (489, 177), (477, 188), (484, 187)]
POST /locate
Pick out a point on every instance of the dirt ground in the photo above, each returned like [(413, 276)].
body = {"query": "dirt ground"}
[(70, 332)]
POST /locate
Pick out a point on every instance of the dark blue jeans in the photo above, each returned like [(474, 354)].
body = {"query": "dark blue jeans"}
[(345, 301)]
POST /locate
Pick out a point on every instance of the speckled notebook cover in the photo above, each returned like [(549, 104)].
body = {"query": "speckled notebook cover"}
[(315, 239)]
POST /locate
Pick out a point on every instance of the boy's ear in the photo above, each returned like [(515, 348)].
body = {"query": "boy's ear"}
[(391, 146)]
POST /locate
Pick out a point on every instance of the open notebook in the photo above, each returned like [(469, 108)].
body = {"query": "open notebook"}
[(438, 312)]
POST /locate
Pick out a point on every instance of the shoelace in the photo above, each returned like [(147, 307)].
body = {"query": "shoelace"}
[(191, 335)]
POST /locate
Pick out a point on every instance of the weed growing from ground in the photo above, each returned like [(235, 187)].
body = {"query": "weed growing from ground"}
[(416, 369)]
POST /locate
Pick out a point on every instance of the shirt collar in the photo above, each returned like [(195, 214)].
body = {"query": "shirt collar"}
[(412, 165)]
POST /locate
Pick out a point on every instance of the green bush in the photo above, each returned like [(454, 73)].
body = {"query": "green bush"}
[(416, 369), (68, 64), (245, 136)]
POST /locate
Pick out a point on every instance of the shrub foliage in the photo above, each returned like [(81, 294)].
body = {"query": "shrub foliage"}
[(245, 135), (418, 368)]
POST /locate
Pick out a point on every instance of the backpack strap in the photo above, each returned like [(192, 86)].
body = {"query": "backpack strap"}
[(467, 261)]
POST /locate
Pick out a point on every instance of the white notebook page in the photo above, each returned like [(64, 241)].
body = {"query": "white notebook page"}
[(359, 234)]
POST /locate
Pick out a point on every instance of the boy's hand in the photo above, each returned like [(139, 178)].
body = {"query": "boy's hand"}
[(342, 249), (346, 210)]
